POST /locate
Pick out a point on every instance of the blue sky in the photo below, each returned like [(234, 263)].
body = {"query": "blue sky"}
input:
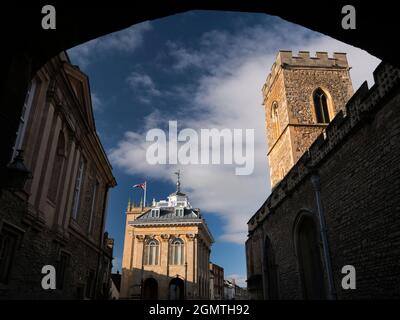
[(204, 70)]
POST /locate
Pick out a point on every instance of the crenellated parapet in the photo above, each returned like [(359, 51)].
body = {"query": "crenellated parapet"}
[(287, 59), (360, 108)]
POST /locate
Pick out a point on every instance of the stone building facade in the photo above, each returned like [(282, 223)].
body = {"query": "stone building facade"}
[(58, 216), (336, 206), (167, 251), (216, 282)]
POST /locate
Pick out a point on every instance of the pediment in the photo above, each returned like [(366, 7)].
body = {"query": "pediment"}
[(79, 84)]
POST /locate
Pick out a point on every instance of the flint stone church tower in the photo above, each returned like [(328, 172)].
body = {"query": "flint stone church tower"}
[(167, 251), (302, 95)]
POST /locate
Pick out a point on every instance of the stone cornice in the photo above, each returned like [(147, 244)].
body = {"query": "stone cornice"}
[(162, 223)]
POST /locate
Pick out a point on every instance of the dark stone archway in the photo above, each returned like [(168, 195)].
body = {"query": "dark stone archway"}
[(309, 258), (26, 46), (176, 289), (270, 272), (150, 289)]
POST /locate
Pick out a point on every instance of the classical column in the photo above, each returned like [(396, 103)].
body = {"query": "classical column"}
[(64, 185), (71, 189), (195, 265), (141, 248), (165, 251), (42, 142), (190, 263), (48, 164)]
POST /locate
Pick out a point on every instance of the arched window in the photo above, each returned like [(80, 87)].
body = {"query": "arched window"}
[(321, 106), (151, 252), (57, 168), (276, 129), (270, 271), (177, 252), (309, 257), (176, 289)]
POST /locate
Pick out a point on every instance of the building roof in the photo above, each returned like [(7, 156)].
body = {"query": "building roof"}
[(178, 193), (168, 213)]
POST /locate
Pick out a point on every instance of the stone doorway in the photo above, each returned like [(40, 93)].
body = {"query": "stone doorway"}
[(176, 289), (309, 254), (150, 289)]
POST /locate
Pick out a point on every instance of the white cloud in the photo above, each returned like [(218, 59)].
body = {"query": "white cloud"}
[(143, 86), (228, 95), (97, 103), (183, 57), (116, 265), (240, 280), (127, 40)]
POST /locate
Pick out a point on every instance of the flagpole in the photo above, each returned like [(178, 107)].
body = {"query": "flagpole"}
[(145, 191)]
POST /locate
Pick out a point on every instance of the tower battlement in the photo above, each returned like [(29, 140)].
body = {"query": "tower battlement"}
[(362, 107), (287, 59), (302, 94)]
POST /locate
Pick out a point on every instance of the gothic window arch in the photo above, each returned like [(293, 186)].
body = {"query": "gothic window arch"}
[(57, 167), (276, 129), (151, 254), (177, 252), (309, 257), (321, 106)]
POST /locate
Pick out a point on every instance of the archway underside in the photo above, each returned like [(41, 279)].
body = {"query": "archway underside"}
[(29, 46)]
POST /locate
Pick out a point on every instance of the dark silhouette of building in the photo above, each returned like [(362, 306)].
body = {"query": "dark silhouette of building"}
[(216, 282), (57, 216)]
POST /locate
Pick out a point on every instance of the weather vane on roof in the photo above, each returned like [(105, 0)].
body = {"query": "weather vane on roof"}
[(178, 183)]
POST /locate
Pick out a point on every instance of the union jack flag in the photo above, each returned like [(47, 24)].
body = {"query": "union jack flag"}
[(140, 185)]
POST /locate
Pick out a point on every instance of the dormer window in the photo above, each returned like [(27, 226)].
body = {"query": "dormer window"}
[(155, 213), (179, 212)]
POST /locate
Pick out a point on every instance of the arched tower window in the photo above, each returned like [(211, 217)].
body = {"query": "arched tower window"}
[(276, 129), (309, 257), (177, 252), (321, 106), (151, 253)]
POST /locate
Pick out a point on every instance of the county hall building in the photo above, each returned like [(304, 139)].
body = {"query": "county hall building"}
[(166, 251)]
